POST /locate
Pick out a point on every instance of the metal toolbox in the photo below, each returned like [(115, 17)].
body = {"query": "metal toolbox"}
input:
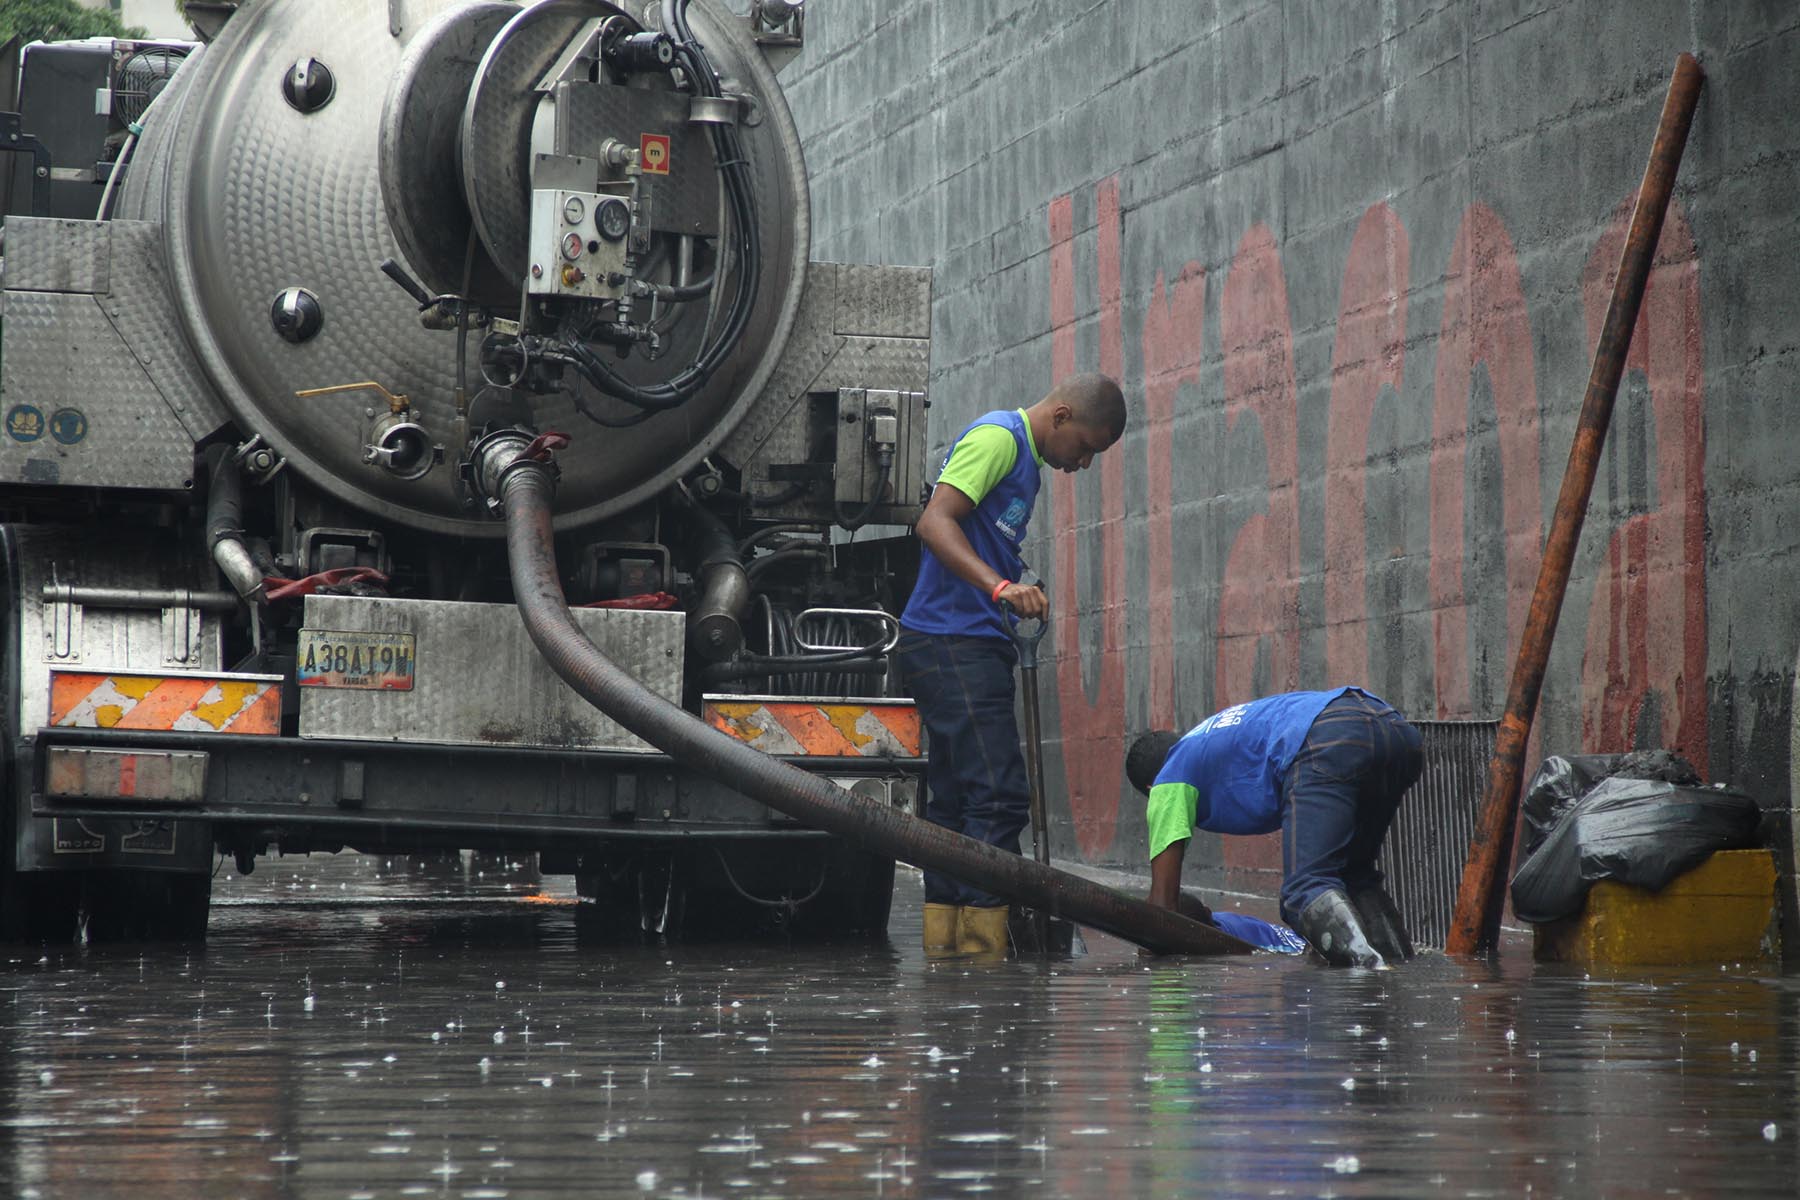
[(473, 677)]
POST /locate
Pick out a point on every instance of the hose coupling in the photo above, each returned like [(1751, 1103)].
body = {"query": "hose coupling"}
[(498, 455)]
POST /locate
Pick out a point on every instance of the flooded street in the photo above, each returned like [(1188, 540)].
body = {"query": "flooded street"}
[(366, 1027)]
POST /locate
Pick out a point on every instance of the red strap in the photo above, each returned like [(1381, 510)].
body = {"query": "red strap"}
[(998, 588), (288, 589), (545, 443), (646, 600)]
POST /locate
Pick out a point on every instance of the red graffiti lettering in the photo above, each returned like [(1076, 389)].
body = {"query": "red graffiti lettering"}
[(1484, 323), (1172, 335), (1370, 354), (1259, 601), (1093, 732), (1646, 632)]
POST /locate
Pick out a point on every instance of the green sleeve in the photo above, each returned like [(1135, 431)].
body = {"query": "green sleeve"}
[(982, 459), (1169, 814)]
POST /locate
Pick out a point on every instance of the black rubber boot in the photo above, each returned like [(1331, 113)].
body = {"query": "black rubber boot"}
[(1381, 921), (1331, 925)]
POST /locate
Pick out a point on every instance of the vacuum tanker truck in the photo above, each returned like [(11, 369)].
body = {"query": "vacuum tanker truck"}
[(384, 382)]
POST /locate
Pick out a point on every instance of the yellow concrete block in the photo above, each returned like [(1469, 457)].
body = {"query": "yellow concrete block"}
[(1717, 912)]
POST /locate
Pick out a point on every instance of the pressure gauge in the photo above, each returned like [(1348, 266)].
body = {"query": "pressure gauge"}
[(571, 246), (613, 217), (574, 208)]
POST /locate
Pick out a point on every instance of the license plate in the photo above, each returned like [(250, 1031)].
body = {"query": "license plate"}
[(346, 659)]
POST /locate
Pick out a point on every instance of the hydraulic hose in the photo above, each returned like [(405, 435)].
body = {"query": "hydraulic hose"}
[(526, 488)]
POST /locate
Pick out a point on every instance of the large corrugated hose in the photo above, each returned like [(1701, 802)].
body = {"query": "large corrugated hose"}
[(526, 489)]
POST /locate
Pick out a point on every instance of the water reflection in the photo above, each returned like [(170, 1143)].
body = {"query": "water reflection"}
[(376, 1027)]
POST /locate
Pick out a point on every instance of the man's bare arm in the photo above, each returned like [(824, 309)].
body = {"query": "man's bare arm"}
[(940, 528), (1165, 876)]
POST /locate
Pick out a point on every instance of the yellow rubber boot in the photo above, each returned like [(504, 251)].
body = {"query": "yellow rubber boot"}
[(981, 932), (940, 928)]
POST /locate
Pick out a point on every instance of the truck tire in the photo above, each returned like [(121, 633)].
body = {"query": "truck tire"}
[(856, 898), (631, 897), (38, 907), (35, 906), (145, 906)]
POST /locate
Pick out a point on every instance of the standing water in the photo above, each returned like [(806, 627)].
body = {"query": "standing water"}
[(359, 1027)]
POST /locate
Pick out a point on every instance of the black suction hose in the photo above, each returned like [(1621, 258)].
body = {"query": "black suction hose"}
[(715, 628), (225, 524), (526, 489)]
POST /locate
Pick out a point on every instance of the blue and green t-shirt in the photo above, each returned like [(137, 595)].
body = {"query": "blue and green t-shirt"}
[(1225, 774), (996, 464)]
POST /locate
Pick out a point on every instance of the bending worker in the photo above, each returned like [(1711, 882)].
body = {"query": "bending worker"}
[(956, 652), (1328, 770)]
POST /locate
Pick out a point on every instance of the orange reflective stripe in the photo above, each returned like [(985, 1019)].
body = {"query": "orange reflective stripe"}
[(189, 704), (167, 701), (847, 719), (813, 729), (67, 691), (264, 716), (901, 720), (234, 696)]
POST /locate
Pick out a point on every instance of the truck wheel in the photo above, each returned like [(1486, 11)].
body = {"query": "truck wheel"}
[(858, 892), (38, 907), (606, 910), (631, 897), (146, 906), (35, 906), (837, 891)]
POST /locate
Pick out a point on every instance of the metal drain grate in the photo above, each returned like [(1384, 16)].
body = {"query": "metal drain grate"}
[(1429, 839)]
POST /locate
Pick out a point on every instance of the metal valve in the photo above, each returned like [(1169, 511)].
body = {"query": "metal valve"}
[(397, 442)]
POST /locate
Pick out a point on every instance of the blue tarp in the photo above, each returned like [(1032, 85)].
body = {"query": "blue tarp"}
[(1261, 934)]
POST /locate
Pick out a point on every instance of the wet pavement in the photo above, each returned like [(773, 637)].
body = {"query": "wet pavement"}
[(365, 1027)]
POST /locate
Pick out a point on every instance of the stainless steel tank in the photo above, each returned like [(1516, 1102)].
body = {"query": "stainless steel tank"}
[(417, 141)]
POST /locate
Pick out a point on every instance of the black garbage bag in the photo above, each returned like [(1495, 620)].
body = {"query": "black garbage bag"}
[(1562, 780), (1588, 818)]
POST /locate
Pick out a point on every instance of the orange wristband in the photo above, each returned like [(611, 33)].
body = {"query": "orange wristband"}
[(998, 588)]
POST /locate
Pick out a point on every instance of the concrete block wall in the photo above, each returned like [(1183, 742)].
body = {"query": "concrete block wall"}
[(1350, 262)]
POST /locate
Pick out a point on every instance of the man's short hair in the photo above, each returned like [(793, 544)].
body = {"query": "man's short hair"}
[(1146, 757), (1095, 400)]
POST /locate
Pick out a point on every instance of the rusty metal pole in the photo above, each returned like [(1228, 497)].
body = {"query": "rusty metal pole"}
[(1476, 922)]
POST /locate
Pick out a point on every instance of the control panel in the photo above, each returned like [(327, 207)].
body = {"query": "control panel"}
[(578, 244)]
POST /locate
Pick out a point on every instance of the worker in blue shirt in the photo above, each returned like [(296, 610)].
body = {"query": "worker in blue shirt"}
[(956, 654), (1328, 770)]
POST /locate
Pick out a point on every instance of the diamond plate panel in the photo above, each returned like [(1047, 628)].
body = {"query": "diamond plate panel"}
[(140, 308), (819, 358), (771, 428), (46, 254), (79, 410), (479, 681), (884, 301), (878, 362)]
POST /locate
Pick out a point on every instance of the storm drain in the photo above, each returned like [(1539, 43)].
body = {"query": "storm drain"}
[(1429, 839)]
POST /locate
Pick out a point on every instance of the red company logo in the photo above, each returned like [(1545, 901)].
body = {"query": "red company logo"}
[(654, 148)]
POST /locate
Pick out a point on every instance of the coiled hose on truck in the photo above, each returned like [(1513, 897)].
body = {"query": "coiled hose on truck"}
[(526, 489)]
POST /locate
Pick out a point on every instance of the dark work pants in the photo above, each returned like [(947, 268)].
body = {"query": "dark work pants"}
[(1339, 797), (975, 775)]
